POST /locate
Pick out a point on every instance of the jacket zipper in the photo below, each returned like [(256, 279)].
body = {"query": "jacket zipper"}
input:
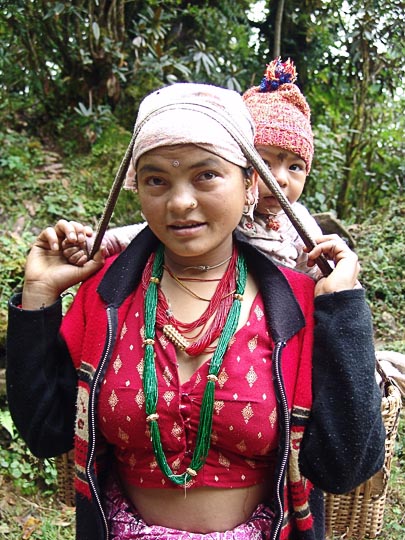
[(93, 421), (279, 381)]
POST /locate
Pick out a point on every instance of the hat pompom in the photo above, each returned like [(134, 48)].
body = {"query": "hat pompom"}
[(280, 111), (278, 73)]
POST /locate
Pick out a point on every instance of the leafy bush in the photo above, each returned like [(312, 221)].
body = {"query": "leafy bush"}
[(381, 240), (27, 472)]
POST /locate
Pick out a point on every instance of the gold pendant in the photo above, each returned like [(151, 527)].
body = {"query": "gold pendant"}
[(175, 337)]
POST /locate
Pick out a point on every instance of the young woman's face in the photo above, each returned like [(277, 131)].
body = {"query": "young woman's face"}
[(290, 172), (192, 201)]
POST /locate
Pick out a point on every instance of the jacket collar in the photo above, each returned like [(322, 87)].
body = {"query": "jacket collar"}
[(282, 309)]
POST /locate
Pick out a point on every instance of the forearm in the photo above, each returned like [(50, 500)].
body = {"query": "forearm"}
[(344, 442), (41, 379)]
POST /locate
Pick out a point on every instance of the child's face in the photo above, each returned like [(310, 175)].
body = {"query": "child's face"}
[(290, 172), (192, 200)]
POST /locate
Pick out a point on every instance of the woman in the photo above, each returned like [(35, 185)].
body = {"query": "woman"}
[(205, 391)]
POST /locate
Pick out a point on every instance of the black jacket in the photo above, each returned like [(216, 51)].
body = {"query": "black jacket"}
[(343, 443)]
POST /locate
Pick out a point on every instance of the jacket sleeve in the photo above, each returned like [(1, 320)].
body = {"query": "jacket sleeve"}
[(343, 444), (41, 379)]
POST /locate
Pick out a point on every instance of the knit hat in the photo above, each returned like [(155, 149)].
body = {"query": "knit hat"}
[(280, 111), (187, 113)]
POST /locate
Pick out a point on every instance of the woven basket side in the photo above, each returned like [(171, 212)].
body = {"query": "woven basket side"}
[(65, 467), (360, 513)]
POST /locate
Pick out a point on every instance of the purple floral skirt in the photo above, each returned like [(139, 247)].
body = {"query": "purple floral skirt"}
[(126, 524)]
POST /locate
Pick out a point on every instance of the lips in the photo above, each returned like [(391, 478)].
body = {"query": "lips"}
[(188, 225), (187, 228)]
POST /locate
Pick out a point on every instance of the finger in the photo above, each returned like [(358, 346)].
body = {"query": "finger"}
[(78, 258), (48, 239)]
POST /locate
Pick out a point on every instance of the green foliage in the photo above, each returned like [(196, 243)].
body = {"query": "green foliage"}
[(27, 473), (355, 91), (381, 241)]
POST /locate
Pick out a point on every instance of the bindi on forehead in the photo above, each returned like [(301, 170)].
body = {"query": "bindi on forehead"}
[(281, 156)]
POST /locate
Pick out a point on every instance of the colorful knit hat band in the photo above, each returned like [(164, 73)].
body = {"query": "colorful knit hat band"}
[(280, 112)]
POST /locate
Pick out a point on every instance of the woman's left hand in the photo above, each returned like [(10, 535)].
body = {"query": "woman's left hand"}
[(346, 264)]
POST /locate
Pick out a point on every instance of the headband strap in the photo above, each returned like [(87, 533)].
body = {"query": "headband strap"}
[(247, 148)]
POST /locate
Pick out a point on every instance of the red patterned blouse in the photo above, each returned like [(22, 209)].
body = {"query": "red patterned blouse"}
[(244, 432)]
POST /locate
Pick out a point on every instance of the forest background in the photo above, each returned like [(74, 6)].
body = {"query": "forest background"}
[(72, 75)]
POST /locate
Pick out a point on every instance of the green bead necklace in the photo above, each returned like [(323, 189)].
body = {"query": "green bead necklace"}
[(150, 386)]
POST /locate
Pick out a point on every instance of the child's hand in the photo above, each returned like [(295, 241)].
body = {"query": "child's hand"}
[(47, 272), (76, 245), (347, 267)]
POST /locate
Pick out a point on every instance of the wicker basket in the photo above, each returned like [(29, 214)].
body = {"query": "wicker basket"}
[(359, 514), (65, 468)]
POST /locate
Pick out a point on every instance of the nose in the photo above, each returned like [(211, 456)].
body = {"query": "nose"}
[(280, 174), (181, 200)]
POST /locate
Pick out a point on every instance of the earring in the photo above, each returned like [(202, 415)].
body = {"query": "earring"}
[(251, 200)]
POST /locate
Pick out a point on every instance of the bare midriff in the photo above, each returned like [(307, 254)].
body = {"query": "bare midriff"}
[(200, 510)]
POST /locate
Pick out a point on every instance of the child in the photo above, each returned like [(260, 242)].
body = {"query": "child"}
[(284, 140)]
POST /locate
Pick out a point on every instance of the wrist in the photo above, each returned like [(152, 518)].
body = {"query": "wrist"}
[(36, 296)]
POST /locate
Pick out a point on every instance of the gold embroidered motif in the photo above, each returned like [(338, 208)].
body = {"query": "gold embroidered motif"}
[(177, 431), (163, 341), (251, 376), (132, 461), (224, 461), (259, 313), (139, 368), (265, 450), (222, 378), (167, 376), (113, 400), (124, 330), (241, 446), (122, 435), (168, 396), (247, 413), (251, 463), (140, 398), (252, 343), (231, 342), (176, 464), (273, 417), (218, 406)]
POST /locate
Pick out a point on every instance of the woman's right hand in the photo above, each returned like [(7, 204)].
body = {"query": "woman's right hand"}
[(47, 272)]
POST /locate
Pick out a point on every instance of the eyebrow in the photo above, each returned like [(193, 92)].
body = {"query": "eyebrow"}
[(152, 168), (283, 155)]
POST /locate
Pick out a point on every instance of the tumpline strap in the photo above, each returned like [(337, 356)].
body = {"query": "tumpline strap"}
[(248, 150)]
